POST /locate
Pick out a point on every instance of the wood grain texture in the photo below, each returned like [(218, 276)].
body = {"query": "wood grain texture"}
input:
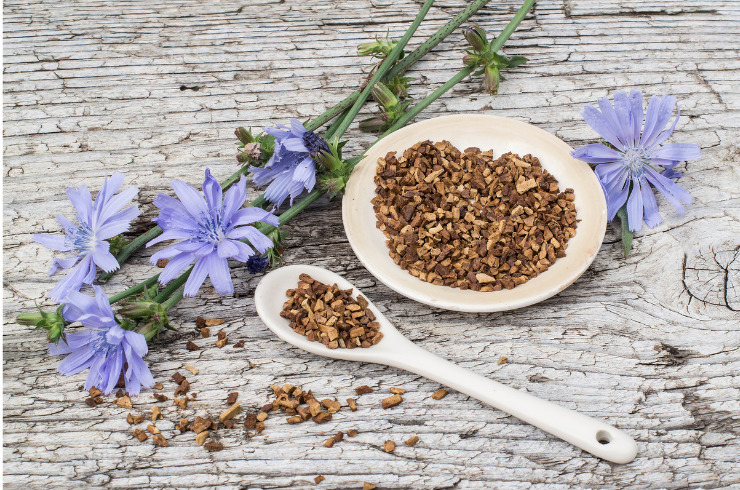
[(650, 344)]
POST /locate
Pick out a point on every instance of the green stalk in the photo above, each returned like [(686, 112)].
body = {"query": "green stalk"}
[(403, 64), (335, 125), (383, 69), (173, 286), (423, 103), (134, 290), (512, 25), (170, 303), (497, 44)]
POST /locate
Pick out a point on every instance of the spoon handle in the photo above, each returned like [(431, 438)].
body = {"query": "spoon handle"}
[(589, 434)]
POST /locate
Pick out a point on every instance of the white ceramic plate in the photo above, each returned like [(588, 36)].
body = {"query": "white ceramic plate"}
[(485, 132)]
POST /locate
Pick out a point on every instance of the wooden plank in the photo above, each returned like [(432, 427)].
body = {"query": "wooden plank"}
[(155, 89)]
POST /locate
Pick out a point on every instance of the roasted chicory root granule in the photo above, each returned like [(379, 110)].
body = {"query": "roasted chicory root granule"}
[(467, 220), (330, 315)]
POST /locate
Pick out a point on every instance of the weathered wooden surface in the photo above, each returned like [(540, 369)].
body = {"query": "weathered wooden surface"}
[(650, 344)]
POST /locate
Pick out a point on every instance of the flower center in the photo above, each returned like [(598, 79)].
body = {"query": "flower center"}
[(83, 238), (635, 159), (211, 229), (101, 345), (314, 143)]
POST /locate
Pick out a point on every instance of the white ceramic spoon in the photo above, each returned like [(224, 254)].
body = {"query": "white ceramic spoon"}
[(395, 350)]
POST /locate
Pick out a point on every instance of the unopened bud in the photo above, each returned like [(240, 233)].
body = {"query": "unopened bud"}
[(471, 60), (491, 79), (371, 125), (384, 96), (244, 135), (476, 37)]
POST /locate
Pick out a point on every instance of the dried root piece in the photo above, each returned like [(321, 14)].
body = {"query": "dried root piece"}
[(392, 401), (330, 315), (439, 394), (467, 220), (411, 441)]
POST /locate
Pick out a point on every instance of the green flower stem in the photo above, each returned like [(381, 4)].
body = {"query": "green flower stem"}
[(150, 235), (335, 125), (512, 25), (404, 63), (383, 69), (132, 247), (497, 44), (170, 303), (173, 286), (134, 290), (423, 103)]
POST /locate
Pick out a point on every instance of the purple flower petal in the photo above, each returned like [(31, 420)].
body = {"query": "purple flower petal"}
[(218, 271), (192, 200), (172, 234), (234, 199), (116, 203), (176, 266), (197, 277), (652, 216), (658, 114), (76, 361), (256, 239), (212, 191), (103, 258), (296, 127), (82, 201), (71, 342), (678, 152), (635, 207), (245, 251), (600, 124), (73, 280), (596, 153), (636, 114), (246, 216), (226, 249), (68, 226), (610, 115), (66, 263), (117, 224), (53, 242)]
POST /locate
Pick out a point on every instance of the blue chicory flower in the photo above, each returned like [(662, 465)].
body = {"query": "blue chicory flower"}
[(292, 167), (211, 229), (627, 168), (98, 221), (104, 347)]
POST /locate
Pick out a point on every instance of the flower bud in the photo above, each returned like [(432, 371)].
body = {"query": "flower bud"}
[(329, 161), (476, 37), (244, 135), (256, 264), (35, 319), (53, 323), (372, 125), (253, 150), (471, 60), (491, 79), (384, 96), (378, 48), (139, 309)]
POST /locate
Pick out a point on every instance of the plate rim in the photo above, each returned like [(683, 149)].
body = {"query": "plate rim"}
[(437, 302)]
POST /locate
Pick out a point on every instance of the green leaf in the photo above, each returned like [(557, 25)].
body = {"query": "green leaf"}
[(515, 61), (626, 233)]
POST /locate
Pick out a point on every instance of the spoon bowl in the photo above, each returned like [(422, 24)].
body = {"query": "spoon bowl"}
[(591, 435)]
